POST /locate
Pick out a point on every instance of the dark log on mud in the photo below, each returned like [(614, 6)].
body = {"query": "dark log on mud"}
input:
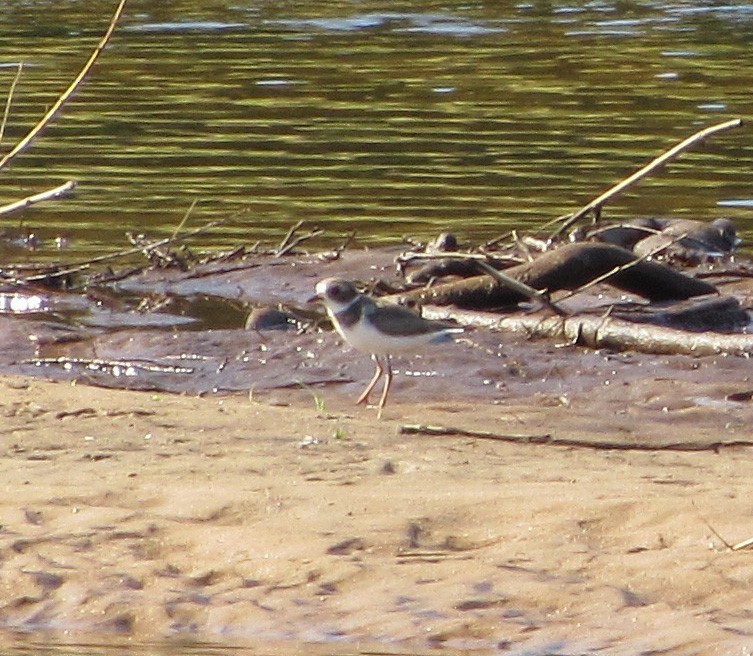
[(720, 314), (443, 269), (605, 444), (569, 267), (605, 331)]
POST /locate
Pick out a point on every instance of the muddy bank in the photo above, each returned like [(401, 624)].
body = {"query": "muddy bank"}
[(183, 331)]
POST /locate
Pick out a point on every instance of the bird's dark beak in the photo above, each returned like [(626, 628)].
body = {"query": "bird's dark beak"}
[(316, 298)]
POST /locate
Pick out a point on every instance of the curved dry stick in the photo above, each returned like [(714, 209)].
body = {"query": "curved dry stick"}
[(50, 194), (66, 95), (596, 204)]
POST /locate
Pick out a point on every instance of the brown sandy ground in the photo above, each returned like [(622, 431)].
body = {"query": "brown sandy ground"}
[(152, 515)]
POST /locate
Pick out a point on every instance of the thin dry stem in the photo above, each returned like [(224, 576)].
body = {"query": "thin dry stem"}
[(597, 203), (288, 236), (9, 101), (66, 95), (291, 241), (183, 221)]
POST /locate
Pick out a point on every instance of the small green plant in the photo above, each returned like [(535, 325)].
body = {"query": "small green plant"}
[(318, 400)]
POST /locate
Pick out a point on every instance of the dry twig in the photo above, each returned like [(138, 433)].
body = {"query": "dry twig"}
[(742, 545), (290, 241), (22, 204), (66, 95), (730, 547), (184, 220), (9, 101), (549, 440), (597, 203)]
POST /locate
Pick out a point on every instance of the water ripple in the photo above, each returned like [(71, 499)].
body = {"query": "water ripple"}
[(476, 120), (439, 24)]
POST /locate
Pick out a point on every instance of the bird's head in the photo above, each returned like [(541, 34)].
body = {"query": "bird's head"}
[(335, 293)]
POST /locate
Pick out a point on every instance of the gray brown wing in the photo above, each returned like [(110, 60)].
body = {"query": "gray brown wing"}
[(397, 320)]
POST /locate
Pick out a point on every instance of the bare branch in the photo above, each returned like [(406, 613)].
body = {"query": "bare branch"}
[(9, 101), (66, 95), (50, 194), (547, 439), (596, 204)]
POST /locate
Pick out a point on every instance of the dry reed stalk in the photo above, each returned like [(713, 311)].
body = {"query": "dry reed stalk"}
[(66, 95)]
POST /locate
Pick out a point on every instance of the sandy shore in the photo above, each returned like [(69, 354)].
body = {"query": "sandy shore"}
[(154, 515)]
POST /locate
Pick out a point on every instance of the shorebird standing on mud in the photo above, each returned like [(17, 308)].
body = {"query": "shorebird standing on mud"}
[(379, 330)]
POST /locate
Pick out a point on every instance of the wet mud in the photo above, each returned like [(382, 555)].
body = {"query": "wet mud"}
[(185, 332)]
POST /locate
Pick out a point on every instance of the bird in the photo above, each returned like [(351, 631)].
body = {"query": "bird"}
[(377, 329)]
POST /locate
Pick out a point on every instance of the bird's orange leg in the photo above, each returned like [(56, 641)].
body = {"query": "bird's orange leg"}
[(387, 384), (379, 371)]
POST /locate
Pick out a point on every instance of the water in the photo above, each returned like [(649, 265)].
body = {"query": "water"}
[(475, 117)]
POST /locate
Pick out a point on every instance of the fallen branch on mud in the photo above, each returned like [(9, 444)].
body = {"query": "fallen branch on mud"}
[(606, 332), (549, 440)]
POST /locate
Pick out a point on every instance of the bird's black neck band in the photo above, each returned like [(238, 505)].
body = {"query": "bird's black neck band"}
[(351, 314)]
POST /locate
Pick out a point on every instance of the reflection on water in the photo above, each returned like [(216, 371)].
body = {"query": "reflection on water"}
[(477, 118)]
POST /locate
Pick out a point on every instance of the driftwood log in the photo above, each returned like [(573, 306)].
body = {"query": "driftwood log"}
[(605, 332), (568, 267)]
